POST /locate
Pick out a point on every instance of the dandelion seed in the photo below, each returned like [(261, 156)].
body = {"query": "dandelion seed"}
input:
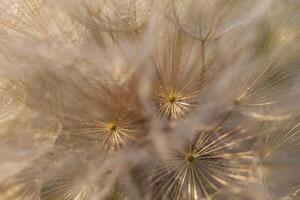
[(214, 160), (115, 15), (202, 20), (172, 104), (277, 148), (180, 79), (266, 88), (107, 116)]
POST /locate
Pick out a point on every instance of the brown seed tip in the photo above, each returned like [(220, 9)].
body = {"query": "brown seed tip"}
[(112, 127), (190, 158), (172, 99)]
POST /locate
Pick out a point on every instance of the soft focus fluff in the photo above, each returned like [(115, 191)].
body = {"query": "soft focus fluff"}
[(149, 100)]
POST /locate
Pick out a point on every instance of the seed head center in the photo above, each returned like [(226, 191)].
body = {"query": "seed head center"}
[(112, 127), (172, 99), (191, 158)]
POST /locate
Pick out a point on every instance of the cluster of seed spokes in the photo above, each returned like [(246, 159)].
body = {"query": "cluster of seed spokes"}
[(172, 104), (113, 135), (117, 132)]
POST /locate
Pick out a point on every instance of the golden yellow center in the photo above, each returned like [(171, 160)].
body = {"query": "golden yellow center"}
[(171, 99), (190, 158), (112, 127)]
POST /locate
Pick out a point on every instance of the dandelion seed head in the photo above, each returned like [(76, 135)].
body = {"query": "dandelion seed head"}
[(203, 167), (115, 134), (275, 169), (172, 104), (191, 158), (111, 126)]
